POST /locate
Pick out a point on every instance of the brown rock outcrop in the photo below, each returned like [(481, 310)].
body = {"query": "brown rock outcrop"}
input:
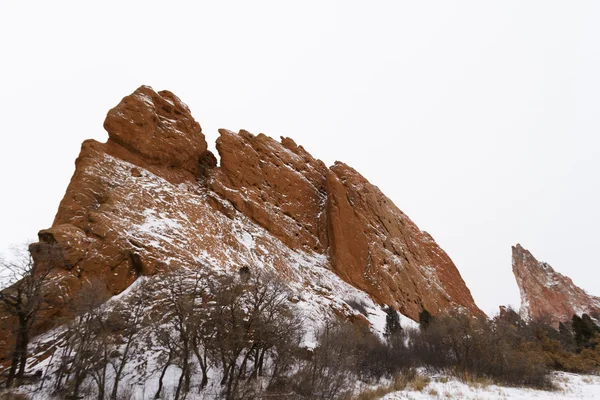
[(152, 197), (545, 292), (159, 128)]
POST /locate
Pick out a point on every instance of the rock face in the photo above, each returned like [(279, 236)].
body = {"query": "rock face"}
[(545, 292), (152, 197), (278, 185), (377, 248)]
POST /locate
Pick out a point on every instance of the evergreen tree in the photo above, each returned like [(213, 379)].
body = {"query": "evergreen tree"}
[(584, 329), (425, 319), (589, 323), (392, 321)]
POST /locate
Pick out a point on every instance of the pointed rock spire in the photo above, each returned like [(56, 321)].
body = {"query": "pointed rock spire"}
[(547, 293)]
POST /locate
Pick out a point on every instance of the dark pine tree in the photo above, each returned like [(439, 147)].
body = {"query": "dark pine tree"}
[(425, 319), (584, 329), (392, 321)]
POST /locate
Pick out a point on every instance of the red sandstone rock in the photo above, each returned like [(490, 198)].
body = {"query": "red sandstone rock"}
[(158, 127), (335, 212), (152, 198), (545, 292), (278, 185)]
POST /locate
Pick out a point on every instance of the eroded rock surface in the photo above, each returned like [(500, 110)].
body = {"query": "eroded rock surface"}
[(378, 249), (159, 128), (278, 185), (545, 292)]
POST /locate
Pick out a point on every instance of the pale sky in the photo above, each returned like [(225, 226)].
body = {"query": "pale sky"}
[(479, 119)]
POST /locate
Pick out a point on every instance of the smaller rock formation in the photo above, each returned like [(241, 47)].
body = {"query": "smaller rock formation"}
[(545, 292)]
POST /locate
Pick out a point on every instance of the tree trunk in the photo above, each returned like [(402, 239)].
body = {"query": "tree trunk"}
[(119, 371), (242, 370), (14, 363), (162, 375), (23, 352), (101, 390), (202, 360), (61, 372), (225, 373), (187, 379), (204, 378), (229, 395), (46, 370), (261, 362), (102, 384), (180, 383), (78, 382)]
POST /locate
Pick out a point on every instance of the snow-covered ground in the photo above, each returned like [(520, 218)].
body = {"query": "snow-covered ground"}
[(318, 292), (572, 386)]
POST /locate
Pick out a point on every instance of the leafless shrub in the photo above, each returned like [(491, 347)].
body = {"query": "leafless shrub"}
[(329, 372), (358, 306), (470, 346), (24, 298)]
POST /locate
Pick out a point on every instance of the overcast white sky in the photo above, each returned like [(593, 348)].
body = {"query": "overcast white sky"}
[(479, 119)]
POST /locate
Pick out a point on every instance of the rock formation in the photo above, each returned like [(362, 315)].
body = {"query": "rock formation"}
[(545, 292), (153, 197)]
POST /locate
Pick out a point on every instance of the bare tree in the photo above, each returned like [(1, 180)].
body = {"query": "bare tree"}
[(327, 374), (98, 356), (85, 343), (166, 344), (182, 294), (277, 328), (126, 321), (23, 299), (252, 320), (202, 329), (100, 337)]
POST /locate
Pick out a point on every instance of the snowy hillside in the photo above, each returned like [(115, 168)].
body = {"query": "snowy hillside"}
[(571, 386)]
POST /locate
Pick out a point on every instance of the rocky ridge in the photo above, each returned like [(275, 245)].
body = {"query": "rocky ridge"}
[(545, 292), (153, 197)]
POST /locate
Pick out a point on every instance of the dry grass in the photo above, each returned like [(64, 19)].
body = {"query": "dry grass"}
[(13, 396), (409, 379), (372, 394), (419, 383), (474, 381)]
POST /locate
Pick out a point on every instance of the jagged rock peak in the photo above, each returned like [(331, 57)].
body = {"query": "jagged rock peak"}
[(547, 293)]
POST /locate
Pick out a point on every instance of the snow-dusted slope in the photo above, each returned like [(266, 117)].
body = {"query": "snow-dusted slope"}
[(179, 229), (153, 199)]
